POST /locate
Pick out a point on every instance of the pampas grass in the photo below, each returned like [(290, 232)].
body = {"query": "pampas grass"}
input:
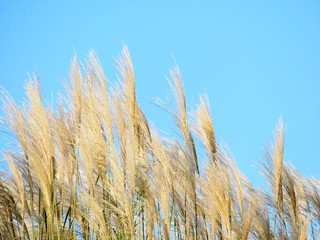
[(93, 168)]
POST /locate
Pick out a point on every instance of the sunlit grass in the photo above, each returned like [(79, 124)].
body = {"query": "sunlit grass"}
[(94, 169)]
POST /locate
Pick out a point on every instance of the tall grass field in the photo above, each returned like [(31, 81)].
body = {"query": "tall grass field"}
[(92, 167)]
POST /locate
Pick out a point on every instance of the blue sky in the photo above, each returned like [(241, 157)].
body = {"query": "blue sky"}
[(257, 60)]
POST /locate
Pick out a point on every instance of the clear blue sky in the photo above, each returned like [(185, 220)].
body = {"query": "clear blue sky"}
[(257, 60)]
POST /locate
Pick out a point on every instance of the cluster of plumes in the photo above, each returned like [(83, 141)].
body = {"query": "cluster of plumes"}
[(93, 169)]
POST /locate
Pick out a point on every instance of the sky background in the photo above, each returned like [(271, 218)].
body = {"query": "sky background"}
[(257, 61)]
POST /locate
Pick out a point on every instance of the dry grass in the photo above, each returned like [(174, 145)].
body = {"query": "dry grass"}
[(94, 169)]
